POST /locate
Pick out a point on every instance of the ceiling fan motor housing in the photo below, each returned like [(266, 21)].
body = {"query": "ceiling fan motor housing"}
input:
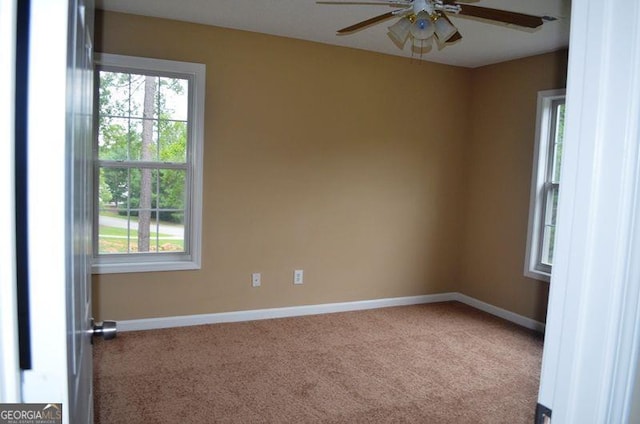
[(422, 6)]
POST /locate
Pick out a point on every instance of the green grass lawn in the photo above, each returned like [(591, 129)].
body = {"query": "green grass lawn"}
[(113, 231), (119, 245), (112, 213), (114, 240)]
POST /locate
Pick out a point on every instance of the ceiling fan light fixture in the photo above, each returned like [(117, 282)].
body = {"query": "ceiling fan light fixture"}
[(400, 30), (421, 47), (443, 28), (423, 27)]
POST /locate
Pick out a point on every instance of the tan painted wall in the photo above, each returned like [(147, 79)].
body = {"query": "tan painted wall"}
[(500, 152), (316, 157)]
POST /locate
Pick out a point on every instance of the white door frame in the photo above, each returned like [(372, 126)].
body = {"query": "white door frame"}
[(593, 322), (9, 374)]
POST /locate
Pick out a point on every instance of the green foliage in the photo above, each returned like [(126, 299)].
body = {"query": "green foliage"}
[(104, 193)]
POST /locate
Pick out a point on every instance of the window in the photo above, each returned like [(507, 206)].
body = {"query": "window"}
[(147, 164), (545, 185)]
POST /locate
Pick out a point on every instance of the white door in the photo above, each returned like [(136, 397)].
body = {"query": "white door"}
[(592, 340), (78, 194), (59, 184)]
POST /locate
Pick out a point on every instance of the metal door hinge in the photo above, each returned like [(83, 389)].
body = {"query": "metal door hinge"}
[(543, 414)]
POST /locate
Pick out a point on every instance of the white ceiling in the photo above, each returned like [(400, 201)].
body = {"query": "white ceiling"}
[(483, 43)]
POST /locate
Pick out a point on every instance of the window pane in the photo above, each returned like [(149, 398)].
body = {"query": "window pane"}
[(142, 117), (558, 142), (113, 138), (550, 218), (164, 235), (140, 92), (172, 189), (173, 141), (113, 94), (547, 244), (114, 232), (142, 182), (174, 100), (551, 206), (129, 218), (171, 232), (143, 140), (114, 188), (133, 195)]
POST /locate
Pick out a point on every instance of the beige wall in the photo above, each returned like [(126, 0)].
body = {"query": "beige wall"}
[(329, 159), (499, 155)]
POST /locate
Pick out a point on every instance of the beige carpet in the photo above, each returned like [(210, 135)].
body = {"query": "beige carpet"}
[(435, 363)]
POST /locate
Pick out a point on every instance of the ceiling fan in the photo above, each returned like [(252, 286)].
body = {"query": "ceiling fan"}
[(422, 19)]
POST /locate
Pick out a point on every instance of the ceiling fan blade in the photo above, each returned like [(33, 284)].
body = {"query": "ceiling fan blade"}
[(515, 18), (367, 22), (455, 37)]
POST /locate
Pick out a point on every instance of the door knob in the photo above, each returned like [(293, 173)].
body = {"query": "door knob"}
[(105, 329)]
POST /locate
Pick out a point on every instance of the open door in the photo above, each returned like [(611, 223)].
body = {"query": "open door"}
[(592, 343), (55, 273)]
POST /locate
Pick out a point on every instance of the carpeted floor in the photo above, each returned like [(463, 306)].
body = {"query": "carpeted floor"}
[(434, 363)]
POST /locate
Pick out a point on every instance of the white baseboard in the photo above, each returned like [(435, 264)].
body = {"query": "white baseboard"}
[(499, 312), (326, 308), (290, 311)]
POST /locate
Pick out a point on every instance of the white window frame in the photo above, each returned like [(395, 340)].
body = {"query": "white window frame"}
[(191, 258), (540, 180)]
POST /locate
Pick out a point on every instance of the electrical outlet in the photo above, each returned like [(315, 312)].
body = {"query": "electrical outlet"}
[(298, 276), (256, 279)]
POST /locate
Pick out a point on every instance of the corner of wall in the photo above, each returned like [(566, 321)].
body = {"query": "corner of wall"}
[(498, 167)]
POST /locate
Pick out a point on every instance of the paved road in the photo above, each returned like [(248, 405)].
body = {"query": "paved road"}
[(171, 230)]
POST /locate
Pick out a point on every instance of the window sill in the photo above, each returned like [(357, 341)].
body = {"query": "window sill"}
[(538, 275), (151, 266)]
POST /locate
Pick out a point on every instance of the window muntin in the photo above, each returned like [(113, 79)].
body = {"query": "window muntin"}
[(545, 184), (148, 160)]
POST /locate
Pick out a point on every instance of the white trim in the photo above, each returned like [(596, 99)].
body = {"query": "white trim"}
[(150, 266), (47, 380), (326, 308), (521, 320), (592, 339), (9, 374), (196, 72), (290, 311), (532, 267)]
